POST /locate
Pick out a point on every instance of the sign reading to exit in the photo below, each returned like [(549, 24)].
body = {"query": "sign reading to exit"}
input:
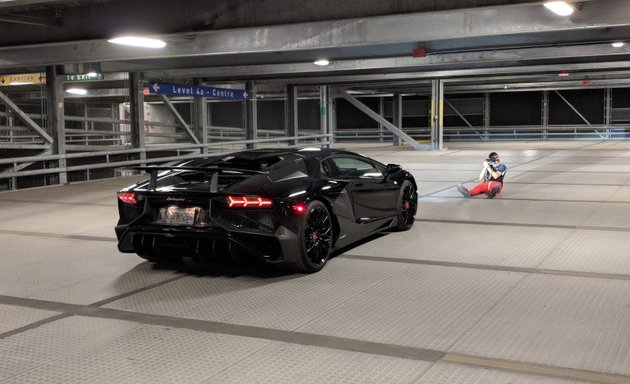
[(83, 77)]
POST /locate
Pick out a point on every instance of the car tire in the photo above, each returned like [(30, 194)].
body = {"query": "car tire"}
[(407, 206), (315, 238)]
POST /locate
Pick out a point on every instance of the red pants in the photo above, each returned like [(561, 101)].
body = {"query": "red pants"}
[(485, 187)]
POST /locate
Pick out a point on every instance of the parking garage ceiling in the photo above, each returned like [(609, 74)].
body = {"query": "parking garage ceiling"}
[(391, 44)]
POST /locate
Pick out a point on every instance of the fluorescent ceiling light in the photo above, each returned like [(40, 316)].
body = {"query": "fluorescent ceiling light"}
[(618, 44), (322, 62), (560, 8), (20, 83), (136, 41), (77, 91)]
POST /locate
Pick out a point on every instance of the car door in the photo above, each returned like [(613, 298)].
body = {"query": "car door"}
[(373, 197)]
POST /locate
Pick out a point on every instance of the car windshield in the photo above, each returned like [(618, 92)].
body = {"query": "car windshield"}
[(285, 166)]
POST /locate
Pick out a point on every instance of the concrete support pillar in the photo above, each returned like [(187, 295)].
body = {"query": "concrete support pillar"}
[(331, 103), (115, 115), (397, 116), (200, 119), (381, 112), (136, 101), (251, 126), (291, 114), (86, 124), (437, 114), (486, 116), (56, 119), (608, 111), (544, 115), (325, 106)]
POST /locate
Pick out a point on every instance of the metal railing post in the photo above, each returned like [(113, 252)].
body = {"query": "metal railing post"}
[(54, 89)]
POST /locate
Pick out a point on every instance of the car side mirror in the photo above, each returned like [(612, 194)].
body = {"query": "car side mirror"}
[(393, 168)]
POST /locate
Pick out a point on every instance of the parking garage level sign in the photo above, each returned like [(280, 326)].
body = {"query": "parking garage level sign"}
[(198, 91)]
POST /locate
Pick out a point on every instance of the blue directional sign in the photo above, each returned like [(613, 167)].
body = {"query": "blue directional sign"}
[(198, 91)]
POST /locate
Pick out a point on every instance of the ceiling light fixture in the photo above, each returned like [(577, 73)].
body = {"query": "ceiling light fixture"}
[(77, 91), (20, 83), (137, 41), (321, 62), (618, 44), (560, 8)]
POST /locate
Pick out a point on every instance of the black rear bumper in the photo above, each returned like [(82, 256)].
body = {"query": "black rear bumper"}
[(212, 243)]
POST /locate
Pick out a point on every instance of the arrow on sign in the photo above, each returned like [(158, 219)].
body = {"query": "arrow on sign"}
[(245, 95), (156, 87)]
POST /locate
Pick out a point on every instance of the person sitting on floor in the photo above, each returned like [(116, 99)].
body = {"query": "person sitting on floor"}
[(491, 176)]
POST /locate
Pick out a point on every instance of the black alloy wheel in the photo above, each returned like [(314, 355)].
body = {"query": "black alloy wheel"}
[(407, 206), (316, 238)]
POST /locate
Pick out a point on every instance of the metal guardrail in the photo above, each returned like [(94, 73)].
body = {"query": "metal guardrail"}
[(186, 151), (97, 152), (551, 132), (465, 133), (382, 135)]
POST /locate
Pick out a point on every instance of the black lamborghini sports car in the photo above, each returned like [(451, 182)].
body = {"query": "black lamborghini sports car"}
[(287, 206)]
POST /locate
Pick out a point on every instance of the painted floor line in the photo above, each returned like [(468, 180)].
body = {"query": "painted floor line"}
[(501, 224), (62, 202), (488, 267), (536, 369), (57, 235), (528, 199)]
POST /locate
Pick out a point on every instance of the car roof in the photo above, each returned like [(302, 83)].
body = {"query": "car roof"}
[(262, 153), (268, 154), (308, 152)]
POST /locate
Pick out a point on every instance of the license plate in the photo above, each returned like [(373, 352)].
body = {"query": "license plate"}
[(178, 215)]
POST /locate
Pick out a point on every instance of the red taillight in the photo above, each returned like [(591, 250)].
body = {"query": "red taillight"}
[(248, 202), (299, 208), (128, 197)]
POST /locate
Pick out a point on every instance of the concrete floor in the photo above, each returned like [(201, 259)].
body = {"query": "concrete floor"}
[(531, 287)]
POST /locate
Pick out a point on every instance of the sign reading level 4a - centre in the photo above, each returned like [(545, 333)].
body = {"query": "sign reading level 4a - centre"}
[(198, 91)]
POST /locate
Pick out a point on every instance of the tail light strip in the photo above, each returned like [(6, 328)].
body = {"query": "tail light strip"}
[(248, 202), (128, 197)]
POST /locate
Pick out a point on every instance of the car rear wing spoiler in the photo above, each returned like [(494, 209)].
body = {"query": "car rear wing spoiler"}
[(214, 170)]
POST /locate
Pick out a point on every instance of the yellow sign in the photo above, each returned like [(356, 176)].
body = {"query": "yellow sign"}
[(23, 78)]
